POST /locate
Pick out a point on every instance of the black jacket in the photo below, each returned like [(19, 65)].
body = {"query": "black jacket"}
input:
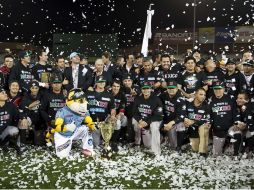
[(22, 74), (100, 104), (84, 77), (200, 115), (50, 104), (38, 70), (235, 83), (148, 110), (224, 114), (173, 108), (9, 116), (34, 114)]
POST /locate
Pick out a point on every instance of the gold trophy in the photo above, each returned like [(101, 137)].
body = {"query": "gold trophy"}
[(44, 77), (107, 128)]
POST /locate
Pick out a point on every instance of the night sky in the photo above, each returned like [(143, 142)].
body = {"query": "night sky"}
[(36, 20)]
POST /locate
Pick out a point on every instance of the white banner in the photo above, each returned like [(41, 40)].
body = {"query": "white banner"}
[(148, 32)]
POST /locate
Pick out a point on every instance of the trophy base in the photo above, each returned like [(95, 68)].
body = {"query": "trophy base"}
[(107, 153)]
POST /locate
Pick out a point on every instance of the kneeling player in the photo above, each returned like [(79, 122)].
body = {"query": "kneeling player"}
[(198, 122)]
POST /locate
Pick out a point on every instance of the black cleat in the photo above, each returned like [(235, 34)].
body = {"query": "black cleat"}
[(20, 149)]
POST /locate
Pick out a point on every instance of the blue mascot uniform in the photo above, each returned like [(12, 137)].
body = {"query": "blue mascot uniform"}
[(73, 123)]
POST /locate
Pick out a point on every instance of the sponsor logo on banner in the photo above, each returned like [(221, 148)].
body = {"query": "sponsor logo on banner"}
[(206, 35), (175, 36), (224, 35), (244, 34)]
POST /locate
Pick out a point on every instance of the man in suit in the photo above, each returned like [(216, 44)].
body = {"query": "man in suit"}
[(78, 76)]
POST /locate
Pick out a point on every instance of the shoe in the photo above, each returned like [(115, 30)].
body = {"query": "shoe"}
[(250, 155), (5, 149), (20, 149), (179, 150), (204, 155), (135, 145)]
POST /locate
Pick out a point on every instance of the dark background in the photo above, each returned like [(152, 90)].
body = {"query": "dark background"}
[(34, 21)]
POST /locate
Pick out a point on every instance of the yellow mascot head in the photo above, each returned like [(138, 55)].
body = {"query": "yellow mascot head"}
[(77, 102)]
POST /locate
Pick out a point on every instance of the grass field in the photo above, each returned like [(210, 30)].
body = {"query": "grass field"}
[(39, 168)]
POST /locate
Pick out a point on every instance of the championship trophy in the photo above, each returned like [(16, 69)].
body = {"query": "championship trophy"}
[(107, 128), (44, 77)]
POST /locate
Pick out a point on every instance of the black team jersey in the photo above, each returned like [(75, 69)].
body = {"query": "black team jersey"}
[(171, 74), (100, 104), (250, 117), (41, 72), (235, 83), (120, 102), (148, 110), (130, 99), (199, 114), (9, 116), (150, 78), (247, 115), (216, 75), (223, 114), (50, 104), (22, 74), (34, 114), (251, 89), (173, 108), (192, 81)]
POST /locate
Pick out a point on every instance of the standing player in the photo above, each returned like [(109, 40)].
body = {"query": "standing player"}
[(234, 79), (21, 71), (101, 105), (120, 103), (130, 91), (190, 80)]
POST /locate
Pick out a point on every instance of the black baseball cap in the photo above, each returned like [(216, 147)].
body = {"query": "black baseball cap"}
[(2, 90), (196, 50), (249, 62), (23, 54), (146, 85), (82, 56), (56, 78), (231, 61), (127, 77), (171, 84), (218, 85), (101, 79), (33, 83)]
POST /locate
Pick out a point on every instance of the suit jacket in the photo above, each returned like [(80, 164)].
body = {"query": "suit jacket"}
[(85, 78)]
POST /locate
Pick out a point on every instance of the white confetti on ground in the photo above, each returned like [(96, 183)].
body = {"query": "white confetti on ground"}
[(39, 168)]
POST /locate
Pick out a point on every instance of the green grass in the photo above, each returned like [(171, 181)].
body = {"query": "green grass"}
[(39, 168)]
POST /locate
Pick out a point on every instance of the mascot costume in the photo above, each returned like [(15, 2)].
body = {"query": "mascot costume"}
[(73, 122)]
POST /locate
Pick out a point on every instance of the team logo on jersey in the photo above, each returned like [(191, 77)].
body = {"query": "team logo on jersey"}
[(90, 142), (221, 108), (63, 146), (191, 81), (160, 109), (105, 99)]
